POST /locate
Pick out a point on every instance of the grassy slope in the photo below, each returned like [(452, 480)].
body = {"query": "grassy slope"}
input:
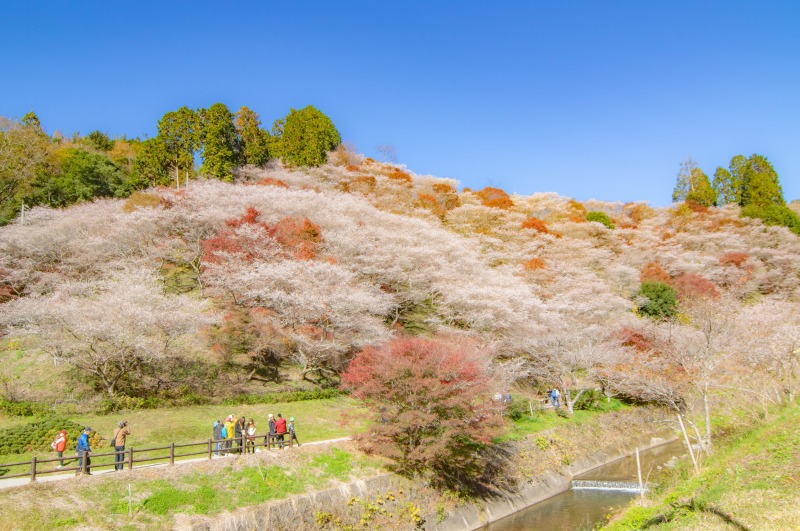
[(752, 479)]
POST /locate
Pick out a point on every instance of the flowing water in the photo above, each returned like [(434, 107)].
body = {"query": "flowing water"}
[(594, 495)]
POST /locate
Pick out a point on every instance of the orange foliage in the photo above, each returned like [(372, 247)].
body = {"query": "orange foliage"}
[(653, 272), (734, 258), (534, 264), (536, 224), (300, 235), (577, 208), (399, 175), (697, 207), (431, 203), (694, 286), (495, 198), (351, 167), (443, 188), (637, 212), (269, 181)]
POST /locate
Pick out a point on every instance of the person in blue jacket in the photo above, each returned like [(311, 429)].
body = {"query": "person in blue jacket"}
[(83, 450)]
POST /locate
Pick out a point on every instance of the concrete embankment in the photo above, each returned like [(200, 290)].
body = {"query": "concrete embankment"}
[(539, 488)]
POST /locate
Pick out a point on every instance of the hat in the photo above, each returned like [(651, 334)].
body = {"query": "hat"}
[(87, 428), (291, 419), (270, 415), (121, 423)]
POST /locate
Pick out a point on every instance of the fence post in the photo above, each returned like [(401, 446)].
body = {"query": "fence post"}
[(130, 460), (172, 453), (33, 468), (210, 449)]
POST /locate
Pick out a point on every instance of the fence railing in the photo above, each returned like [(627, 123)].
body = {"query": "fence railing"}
[(128, 458)]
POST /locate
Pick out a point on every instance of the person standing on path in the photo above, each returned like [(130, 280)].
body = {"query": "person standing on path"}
[(292, 434), (120, 436), (555, 397), (230, 424), (238, 434), (280, 430), (217, 436), (250, 443), (59, 445), (271, 434), (83, 450)]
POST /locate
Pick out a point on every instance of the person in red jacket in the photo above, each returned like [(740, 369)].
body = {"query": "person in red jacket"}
[(59, 444), (280, 429)]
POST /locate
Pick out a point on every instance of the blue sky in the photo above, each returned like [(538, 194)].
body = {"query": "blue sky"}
[(588, 99)]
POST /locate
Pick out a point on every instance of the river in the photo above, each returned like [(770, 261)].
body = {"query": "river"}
[(593, 497)]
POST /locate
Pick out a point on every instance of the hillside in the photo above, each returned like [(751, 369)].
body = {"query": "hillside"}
[(276, 280)]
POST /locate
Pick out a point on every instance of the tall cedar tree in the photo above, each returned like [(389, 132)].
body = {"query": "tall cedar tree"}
[(432, 399), (220, 143), (306, 136), (253, 140), (180, 132), (748, 181)]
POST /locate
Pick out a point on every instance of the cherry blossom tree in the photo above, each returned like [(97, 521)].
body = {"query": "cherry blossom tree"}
[(107, 328)]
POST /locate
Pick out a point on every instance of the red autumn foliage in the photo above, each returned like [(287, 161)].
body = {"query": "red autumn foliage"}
[(693, 286), (300, 238), (734, 258), (432, 397), (534, 264), (536, 224), (653, 272), (633, 338)]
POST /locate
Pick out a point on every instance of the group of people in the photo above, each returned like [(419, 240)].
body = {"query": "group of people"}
[(238, 430), (83, 448), (243, 432)]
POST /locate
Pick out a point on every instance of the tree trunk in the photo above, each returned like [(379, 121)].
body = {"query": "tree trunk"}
[(707, 411)]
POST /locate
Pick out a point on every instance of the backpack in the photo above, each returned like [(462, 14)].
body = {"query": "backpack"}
[(224, 432)]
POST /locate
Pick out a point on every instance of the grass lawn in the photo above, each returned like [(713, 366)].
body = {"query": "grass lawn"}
[(546, 419)]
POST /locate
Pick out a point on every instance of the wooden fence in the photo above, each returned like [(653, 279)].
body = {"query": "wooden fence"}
[(210, 448)]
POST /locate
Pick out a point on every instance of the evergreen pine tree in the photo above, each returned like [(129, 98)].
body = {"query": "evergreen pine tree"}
[(220, 143)]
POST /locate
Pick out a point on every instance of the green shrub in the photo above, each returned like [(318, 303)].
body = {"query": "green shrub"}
[(600, 217), (517, 410), (661, 300), (779, 215), (25, 408), (37, 436)]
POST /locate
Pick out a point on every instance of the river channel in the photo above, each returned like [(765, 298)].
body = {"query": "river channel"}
[(594, 495)]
